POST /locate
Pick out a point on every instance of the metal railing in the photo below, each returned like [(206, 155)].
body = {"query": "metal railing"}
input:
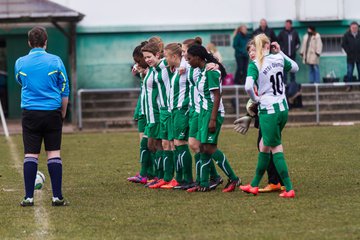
[(82, 91), (236, 88)]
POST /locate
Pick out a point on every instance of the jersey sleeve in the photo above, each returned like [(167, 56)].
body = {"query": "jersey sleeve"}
[(63, 80), (253, 71), (213, 78), (287, 65), (17, 72)]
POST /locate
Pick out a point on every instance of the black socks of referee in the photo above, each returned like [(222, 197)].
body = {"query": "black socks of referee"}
[(55, 171), (30, 170)]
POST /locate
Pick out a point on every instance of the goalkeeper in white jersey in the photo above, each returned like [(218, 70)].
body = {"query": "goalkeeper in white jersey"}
[(266, 72)]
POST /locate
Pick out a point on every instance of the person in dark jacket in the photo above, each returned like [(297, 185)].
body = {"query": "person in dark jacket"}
[(240, 41), (263, 28), (351, 45), (289, 42)]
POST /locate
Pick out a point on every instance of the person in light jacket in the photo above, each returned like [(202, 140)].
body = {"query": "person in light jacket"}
[(310, 52)]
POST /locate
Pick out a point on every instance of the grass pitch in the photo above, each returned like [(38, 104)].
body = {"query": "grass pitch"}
[(323, 162)]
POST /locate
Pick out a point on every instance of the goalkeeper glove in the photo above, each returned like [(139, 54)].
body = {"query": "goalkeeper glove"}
[(252, 108), (242, 124)]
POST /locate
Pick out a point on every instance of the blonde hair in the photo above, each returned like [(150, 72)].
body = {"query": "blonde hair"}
[(260, 41), (174, 48), (211, 48)]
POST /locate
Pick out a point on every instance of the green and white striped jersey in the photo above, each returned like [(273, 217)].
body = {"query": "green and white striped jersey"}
[(180, 90), (193, 75), (142, 96), (140, 106), (269, 81), (152, 105), (209, 80), (162, 76)]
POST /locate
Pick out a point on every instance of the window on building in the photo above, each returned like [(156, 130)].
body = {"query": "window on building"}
[(220, 40), (332, 44)]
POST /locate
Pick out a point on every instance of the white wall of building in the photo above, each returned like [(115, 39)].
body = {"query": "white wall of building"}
[(107, 13)]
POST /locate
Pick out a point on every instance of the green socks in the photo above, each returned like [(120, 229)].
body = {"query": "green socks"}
[(197, 167), (263, 162), (144, 157), (159, 164), (168, 165), (205, 169), (152, 170), (224, 164), (282, 169), (184, 163)]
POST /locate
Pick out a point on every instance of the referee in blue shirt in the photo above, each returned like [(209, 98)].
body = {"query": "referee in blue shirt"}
[(44, 100)]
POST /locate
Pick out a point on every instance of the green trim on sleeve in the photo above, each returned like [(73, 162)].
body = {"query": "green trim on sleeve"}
[(253, 71), (213, 79), (287, 65)]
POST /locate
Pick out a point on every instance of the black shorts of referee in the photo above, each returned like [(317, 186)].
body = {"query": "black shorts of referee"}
[(38, 125)]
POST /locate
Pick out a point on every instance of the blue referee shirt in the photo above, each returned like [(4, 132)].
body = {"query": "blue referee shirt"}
[(43, 80)]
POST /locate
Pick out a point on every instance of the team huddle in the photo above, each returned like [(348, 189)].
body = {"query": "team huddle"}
[(180, 108)]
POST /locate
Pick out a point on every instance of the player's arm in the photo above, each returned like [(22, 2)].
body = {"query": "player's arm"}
[(64, 87), (214, 86), (214, 112), (252, 76), (17, 73)]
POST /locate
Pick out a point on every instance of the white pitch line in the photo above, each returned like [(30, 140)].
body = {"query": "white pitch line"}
[(40, 214)]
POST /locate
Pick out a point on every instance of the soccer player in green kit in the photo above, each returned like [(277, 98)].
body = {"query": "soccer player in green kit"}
[(159, 119), (146, 170), (267, 73), (179, 105), (194, 112), (211, 118)]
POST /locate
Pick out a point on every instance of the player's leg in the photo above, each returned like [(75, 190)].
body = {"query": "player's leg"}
[(52, 142), (144, 153), (279, 159), (267, 127), (32, 138), (273, 176)]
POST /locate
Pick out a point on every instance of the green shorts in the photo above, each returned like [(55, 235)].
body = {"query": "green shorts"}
[(204, 136), (152, 130), (141, 122), (180, 121), (166, 125), (271, 126), (193, 123)]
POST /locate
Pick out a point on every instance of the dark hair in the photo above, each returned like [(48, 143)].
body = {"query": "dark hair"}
[(289, 21), (354, 23), (37, 37), (202, 53), (192, 41), (137, 53), (152, 48), (312, 28)]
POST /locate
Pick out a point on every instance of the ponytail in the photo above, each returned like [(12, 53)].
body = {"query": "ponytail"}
[(202, 53), (260, 41)]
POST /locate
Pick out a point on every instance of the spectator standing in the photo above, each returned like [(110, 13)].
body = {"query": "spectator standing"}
[(240, 41), (351, 45), (263, 28), (289, 42), (310, 51)]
